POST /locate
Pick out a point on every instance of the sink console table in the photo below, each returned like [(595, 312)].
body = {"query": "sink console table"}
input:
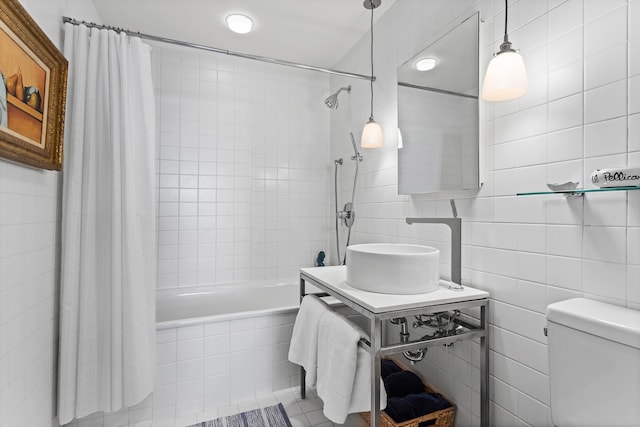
[(380, 307)]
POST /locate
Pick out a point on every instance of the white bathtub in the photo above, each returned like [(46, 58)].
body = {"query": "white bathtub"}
[(194, 305), (224, 343)]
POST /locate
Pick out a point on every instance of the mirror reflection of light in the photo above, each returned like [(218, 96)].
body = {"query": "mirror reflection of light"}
[(426, 64), (400, 145)]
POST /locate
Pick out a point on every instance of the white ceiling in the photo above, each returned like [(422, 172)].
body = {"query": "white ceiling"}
[(310, 32)]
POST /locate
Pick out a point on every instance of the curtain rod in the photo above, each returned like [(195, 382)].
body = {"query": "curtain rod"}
[(433, 89), (267, 59)]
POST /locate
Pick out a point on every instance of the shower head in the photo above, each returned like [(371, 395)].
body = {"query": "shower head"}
[(332, 100)]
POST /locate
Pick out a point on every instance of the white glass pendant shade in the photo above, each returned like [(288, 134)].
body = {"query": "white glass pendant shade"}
[(372, 135), (506, 77)]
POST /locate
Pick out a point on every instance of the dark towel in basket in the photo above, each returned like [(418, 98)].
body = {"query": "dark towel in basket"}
[(402, 409), (402, 383), (388, 367)]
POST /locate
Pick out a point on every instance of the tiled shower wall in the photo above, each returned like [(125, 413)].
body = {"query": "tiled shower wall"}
[(243, 170), (582, 113)]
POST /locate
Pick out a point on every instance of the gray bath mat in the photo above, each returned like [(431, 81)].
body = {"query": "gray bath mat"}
[(271, 416)]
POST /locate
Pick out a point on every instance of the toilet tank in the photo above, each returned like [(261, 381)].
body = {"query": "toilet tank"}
[(594, 364)]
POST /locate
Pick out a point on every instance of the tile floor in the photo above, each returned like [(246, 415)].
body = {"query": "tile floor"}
[(302, 412)]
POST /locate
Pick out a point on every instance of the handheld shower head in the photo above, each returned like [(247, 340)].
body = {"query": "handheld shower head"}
[(356, 153), (353, 143), (332, 100)]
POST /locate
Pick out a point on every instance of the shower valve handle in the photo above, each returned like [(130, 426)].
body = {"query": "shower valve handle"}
[(347, 214)]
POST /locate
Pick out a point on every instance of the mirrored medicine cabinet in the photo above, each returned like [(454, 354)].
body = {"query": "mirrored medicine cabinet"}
[(438, 114)]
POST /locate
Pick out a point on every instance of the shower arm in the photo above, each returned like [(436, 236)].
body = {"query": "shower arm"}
[(347, 88)]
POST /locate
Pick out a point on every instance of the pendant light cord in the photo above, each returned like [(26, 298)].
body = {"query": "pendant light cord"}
[(505, 46), (371, 80), (506, 15)]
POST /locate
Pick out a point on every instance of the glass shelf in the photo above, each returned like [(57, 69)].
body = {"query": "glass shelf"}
[(579, 191)]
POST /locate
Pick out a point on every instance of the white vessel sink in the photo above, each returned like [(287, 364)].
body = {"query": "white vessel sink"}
[(389, 268)]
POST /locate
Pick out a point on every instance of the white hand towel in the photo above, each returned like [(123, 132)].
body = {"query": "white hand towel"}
[(303, 350), (361, 395), (344, 380)]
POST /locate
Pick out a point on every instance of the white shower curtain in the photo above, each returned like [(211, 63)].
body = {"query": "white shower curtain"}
[(108, 277)]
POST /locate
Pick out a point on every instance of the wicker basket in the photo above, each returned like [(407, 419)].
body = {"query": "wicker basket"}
[(442, 418)]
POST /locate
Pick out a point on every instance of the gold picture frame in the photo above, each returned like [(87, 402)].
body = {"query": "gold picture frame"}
[(33, 90)]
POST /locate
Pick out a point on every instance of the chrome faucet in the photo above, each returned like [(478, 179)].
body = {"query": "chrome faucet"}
[(455, 224)]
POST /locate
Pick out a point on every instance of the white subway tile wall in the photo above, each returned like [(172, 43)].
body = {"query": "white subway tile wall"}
[(581, 114), (243, 168), (29, 223), (244, 190)]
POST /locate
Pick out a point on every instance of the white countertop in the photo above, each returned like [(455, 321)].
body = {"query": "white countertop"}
[(335, 278)]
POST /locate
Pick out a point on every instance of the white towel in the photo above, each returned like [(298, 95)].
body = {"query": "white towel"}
[(303, 350), (344, 369)]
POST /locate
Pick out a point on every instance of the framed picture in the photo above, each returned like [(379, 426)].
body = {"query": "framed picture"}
[(33, 88)]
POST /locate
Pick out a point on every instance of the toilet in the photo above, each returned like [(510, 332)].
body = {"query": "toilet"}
[(594, 364)]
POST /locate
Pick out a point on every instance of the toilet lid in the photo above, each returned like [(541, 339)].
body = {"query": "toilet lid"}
[(608, 321)]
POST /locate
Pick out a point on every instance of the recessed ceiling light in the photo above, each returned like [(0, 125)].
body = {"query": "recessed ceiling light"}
[(239, 23), (426, 64)]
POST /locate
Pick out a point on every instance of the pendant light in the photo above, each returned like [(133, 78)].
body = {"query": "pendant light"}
[(372, 132), (506, 76)]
